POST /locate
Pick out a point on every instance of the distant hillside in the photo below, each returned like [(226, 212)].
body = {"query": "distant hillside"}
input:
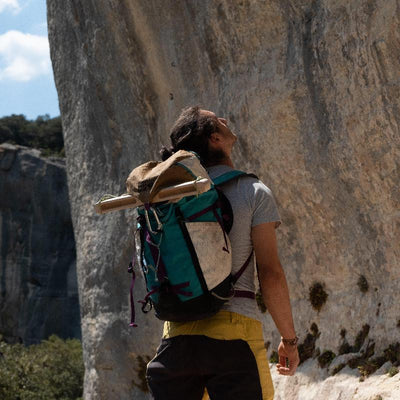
[(43, 133)]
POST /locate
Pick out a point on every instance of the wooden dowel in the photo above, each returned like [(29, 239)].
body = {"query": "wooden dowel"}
[(117, 203), (170, 193)]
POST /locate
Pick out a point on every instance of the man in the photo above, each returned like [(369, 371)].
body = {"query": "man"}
[(225, 354)]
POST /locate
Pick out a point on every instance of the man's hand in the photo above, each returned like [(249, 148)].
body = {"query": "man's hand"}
[(287, 352)]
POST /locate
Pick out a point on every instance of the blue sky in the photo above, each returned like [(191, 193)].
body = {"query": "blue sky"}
[(26, 78)]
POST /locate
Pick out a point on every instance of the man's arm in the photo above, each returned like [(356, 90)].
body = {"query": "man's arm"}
[(275, 292)]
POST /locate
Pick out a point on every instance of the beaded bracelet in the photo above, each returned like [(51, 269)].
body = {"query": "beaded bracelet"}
[(290, 342)]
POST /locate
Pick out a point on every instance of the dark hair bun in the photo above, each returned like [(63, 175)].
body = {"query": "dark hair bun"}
[(166, 153)]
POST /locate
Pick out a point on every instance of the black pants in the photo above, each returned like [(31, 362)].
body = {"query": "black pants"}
[(185, 365)]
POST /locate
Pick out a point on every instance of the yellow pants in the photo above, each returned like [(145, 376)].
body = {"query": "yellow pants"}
[(226, 325)]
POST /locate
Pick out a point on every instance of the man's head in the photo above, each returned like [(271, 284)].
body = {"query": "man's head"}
[(203, 132)]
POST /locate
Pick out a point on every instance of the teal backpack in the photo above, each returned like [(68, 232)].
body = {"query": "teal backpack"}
[(185, 253)]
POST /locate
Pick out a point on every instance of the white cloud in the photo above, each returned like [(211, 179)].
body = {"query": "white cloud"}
[(10, 4), (23, 56)]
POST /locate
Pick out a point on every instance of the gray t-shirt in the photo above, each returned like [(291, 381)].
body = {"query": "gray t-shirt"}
[(252, 204)]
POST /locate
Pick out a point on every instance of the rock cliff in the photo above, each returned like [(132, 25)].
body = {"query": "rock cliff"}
[(312, 90), (39, 293)]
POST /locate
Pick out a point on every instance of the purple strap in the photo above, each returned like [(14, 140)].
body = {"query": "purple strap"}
[(155, 252), (241, 270), (218, 218), (146, 298), (202, 212), (177, 289), (130, 269), (244, 293)]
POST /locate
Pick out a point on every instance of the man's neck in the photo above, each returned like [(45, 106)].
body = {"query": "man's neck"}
[(226, 161)]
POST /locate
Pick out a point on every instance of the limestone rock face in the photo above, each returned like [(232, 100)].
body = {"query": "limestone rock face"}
[(39, 291), (312, 90), (311, 382)]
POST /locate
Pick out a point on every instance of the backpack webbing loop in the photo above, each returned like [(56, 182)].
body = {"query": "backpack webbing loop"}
[(159, 266), (146, 213)]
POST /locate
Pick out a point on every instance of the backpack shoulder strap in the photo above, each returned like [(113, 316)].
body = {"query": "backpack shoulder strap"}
[(231, 175)]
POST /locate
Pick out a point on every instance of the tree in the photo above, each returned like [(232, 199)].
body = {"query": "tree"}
[(44, 133), (52, 369)]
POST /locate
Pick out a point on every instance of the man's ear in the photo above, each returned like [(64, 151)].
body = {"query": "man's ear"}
[(214, 138)]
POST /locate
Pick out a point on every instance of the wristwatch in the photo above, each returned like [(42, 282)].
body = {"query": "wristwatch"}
[(290, 342)]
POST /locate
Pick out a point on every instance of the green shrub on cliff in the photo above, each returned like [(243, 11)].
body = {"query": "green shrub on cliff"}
[(43, 133), (50, 370)]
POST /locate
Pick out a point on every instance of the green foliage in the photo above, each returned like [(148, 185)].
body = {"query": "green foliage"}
[(317, 296), (338, 368), (393, 371), (346, 348), (274, 359), (360, 338), (392, 353), (52, 370), (44, 133), (260, 302), (369, 366), (362, 284), (141, 373), (307, 348), (326, 358)]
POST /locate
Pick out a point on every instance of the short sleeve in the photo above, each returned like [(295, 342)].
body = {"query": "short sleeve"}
[(264, 206)]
